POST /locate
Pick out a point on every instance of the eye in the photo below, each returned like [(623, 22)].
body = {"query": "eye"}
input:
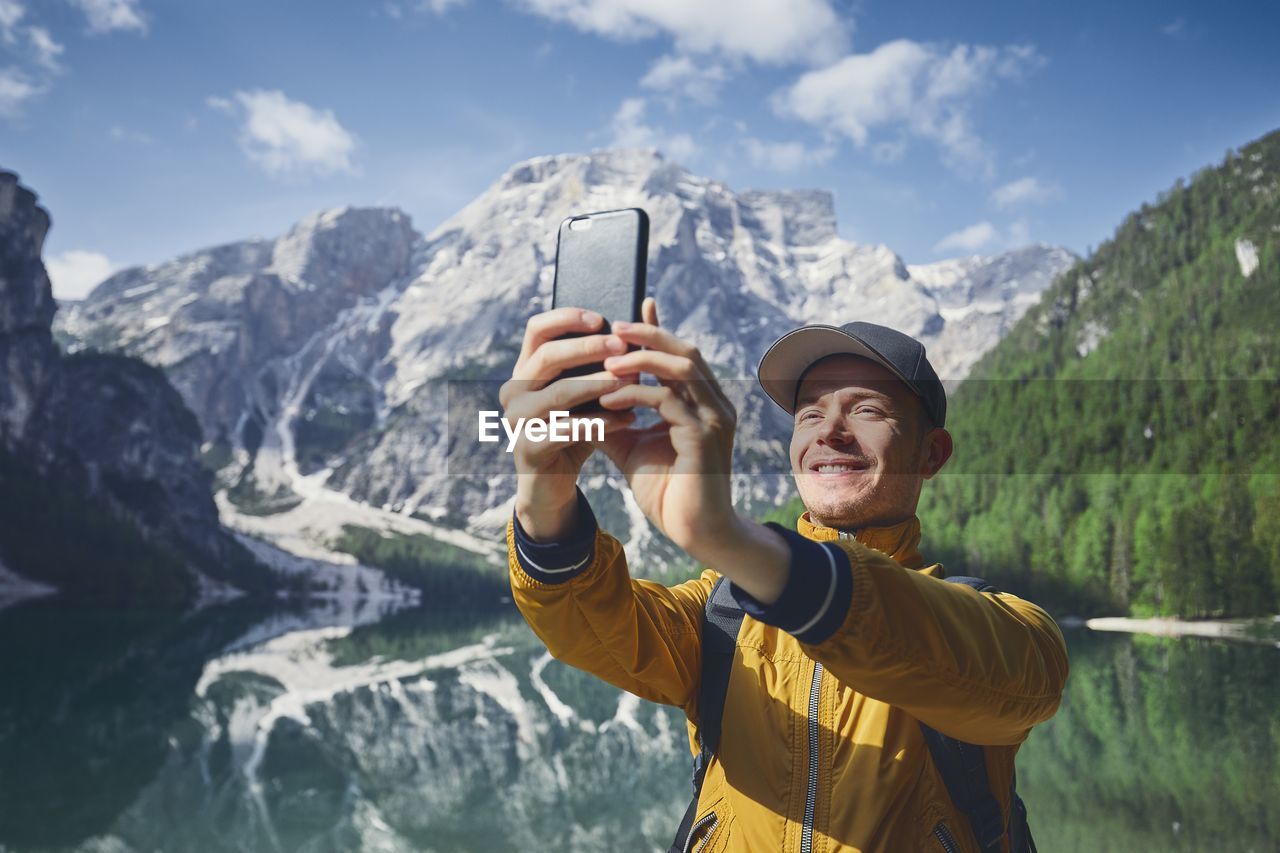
[(872, 409), (809, 415)]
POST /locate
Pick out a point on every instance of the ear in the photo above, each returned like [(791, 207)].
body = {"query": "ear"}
[(940, 448)]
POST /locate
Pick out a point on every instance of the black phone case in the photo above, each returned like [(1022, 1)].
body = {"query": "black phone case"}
[(601, 268)]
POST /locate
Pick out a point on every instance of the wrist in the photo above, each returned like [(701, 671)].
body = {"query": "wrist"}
[(752, 556), (547, 515), (545, 523), (726, 543), (562, 557)]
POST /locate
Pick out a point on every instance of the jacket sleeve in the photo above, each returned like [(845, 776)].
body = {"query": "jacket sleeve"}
[(580, 600), (980, 667)]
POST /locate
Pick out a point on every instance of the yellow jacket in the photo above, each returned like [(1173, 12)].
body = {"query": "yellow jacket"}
[(907, 647)]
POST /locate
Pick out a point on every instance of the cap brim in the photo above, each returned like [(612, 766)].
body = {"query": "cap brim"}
[(796, 351)]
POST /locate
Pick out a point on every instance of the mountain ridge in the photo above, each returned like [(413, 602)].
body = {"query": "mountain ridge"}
[(342, 393)]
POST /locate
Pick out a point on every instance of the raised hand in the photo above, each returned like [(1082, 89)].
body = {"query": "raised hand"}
[(547, 471), (678, 469)]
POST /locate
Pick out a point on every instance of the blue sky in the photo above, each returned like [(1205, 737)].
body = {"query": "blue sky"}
[(154, 127)]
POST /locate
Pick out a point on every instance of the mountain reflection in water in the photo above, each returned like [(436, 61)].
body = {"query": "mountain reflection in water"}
[(238, 729)]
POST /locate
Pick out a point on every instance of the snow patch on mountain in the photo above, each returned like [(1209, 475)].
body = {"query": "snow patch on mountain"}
[(1091, 335), (1246, 256), (322, 361)]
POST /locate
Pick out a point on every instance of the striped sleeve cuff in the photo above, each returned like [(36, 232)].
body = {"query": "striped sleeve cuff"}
[(562, 560), (815, 601)]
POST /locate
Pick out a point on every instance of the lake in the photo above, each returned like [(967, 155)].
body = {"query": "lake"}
[(327, 728)]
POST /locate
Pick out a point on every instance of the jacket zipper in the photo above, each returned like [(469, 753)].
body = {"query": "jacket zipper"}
[(944, 838), (693, 833), (811, 794)]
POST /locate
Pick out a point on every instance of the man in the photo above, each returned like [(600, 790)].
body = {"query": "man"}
[(851, 640)]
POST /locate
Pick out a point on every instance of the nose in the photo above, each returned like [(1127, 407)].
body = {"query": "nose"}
[(834, 433)]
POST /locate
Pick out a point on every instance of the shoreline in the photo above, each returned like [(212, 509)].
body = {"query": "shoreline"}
[(1264, 630)]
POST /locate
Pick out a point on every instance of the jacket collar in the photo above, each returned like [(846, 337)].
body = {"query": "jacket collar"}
[(900, 541)]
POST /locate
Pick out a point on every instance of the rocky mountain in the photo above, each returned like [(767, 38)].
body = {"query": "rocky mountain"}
[(28, 357), (90, 434), (320, 365)]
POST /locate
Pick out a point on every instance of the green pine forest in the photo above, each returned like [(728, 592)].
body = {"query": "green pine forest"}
[(1140, 476), (56, 535)]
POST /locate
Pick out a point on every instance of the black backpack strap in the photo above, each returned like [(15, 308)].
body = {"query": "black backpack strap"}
[(977, 583), (1020, 840), (721, 619), (963, 767)]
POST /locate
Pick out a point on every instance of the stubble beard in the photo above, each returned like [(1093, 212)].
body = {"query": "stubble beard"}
[(883, 502)]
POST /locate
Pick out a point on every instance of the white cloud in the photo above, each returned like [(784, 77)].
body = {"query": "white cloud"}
[(11, 11), (106, 16), (46, 49), (630, 131), (439, 7), (73, 274), (16, 89), (984, 235), (920, 89), (18, 85), (1022, 191), (968, 239), (682, 75), (785, 156), (284, 136), (763, 30), (396, 11), (1175, 28)]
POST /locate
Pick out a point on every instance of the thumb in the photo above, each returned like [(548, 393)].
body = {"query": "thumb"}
[(649, 311)]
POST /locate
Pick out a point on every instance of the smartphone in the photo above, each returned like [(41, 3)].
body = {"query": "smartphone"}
[(600, 266)]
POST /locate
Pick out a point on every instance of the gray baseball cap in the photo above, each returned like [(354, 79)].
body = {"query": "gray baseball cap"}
[(795, 352)]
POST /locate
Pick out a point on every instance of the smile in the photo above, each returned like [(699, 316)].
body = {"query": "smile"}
[(837, 469)]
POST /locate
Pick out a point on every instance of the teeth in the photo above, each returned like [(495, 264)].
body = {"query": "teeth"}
[(835, 469)]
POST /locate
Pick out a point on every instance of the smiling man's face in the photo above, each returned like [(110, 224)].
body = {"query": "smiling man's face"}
[(861, 445)]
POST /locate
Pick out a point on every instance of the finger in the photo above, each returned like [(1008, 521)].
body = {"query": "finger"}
[(552, 324), (677, 373), (649, 310), (663, 365), (692, 377), (565, 394), (653, 337), (664, 400), (613, 422), (578, 431), (584, 425), (555, 357)]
